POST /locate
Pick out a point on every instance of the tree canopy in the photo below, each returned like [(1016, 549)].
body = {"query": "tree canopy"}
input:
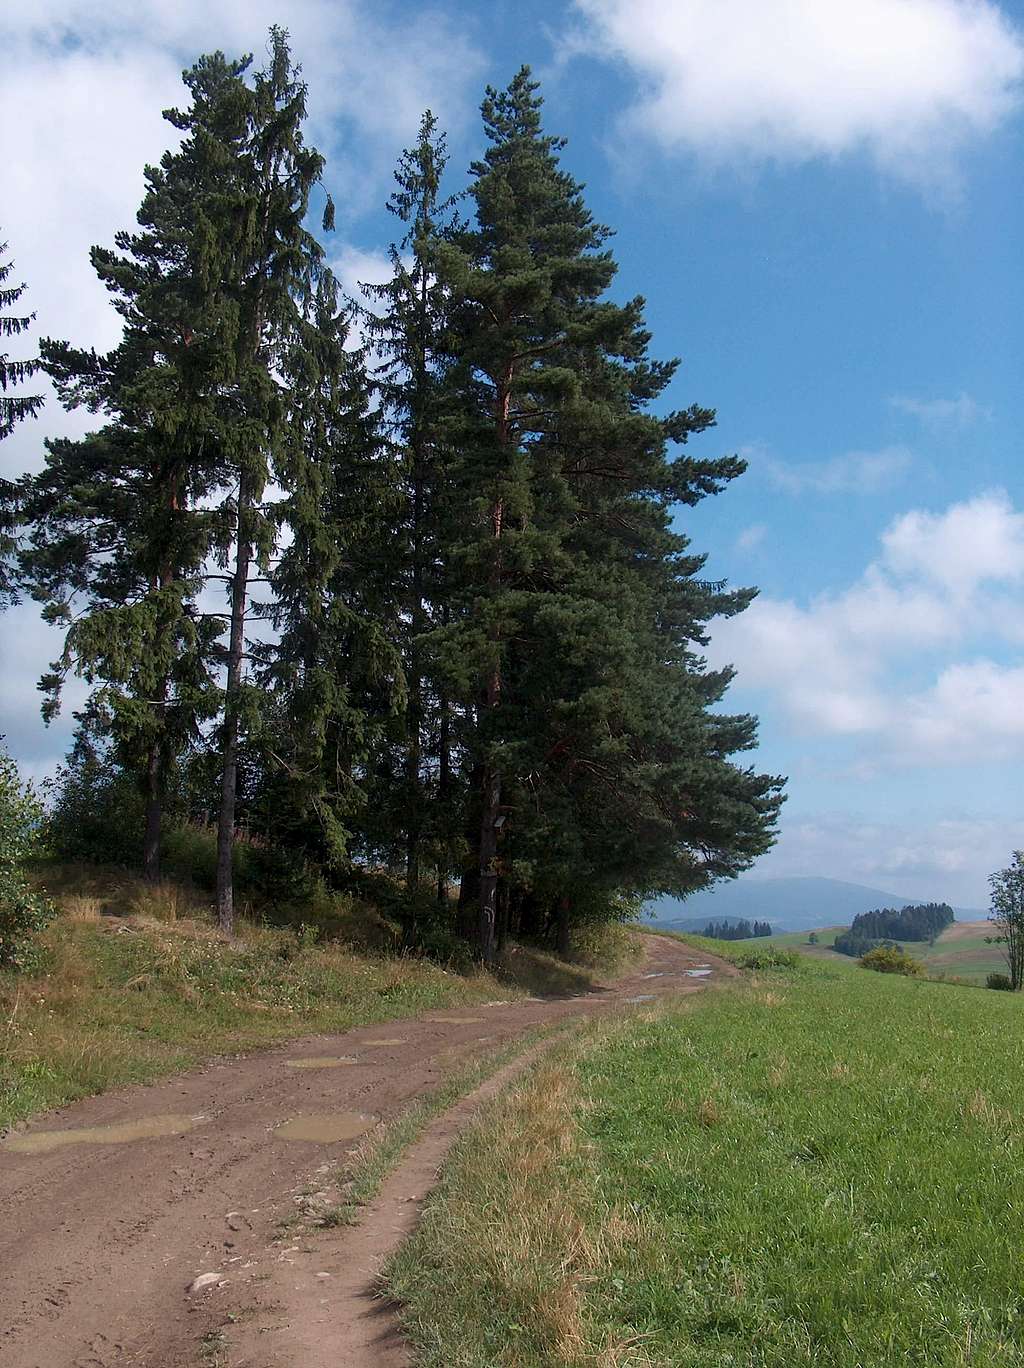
[(464, 623)]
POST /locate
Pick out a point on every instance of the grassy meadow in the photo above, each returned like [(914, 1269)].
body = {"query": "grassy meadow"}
[(960, 952), (819, 1166), (134, 982)]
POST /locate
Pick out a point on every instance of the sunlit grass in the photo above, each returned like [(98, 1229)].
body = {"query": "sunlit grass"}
[(135, 983), (819, 1167)]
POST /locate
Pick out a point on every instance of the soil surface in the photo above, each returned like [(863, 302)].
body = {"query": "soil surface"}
[(173, 1226)]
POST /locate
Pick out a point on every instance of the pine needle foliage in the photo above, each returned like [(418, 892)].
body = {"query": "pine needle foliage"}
[(464, 624), (14, 408)]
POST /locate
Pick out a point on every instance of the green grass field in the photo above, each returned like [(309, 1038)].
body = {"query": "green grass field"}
[(960, 952), (821, 1166)]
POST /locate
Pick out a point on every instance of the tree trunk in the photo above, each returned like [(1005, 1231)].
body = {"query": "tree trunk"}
[(490, 788), (562, 929), (503, 918), (417, 615), (236, 653), (154, 814), (443, 786)]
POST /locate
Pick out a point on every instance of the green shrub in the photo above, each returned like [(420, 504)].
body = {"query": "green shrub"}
[(887, 959), (1001, 982), (768, 957), (96, 812), (22, 911)]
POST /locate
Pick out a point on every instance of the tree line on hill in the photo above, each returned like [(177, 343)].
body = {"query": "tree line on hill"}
[(737, 930), (888, 926), (391, 586)]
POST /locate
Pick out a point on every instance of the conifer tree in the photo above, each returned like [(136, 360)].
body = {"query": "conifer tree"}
[(14, 407), (114, 553), (118, 531), (409, 337), (581, 612), (334, 673), (261, 268)]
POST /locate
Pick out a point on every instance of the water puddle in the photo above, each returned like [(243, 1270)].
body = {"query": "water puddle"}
[(455, 1021), (397, 1040), (642, 997), (327, 1128), (121, 1133), (659, 974), (698, 973), (322, 1062)]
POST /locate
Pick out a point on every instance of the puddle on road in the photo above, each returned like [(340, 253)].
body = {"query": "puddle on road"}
[(121, 1133), (455, 1021), (322, 1062), (642, 997), (397, 1040), (698, 973), (326, 1128)]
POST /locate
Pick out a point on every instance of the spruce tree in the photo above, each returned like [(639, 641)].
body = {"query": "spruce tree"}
[(119, 530), (334, 673), (114, 551), (261, 267), (14, 407), (409, 336)]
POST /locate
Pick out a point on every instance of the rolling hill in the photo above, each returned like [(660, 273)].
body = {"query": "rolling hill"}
[(788, 904)]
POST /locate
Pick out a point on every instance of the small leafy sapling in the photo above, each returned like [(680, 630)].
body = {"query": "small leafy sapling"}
[(1007, 916)]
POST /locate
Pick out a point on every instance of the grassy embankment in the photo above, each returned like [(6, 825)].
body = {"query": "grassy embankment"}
[(820, 1166), (135, 983)]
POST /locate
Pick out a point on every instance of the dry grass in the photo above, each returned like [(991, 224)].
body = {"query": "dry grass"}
[(136, 981), (516, 1243)]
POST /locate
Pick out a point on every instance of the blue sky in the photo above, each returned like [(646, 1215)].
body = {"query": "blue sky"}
[(820, 202)]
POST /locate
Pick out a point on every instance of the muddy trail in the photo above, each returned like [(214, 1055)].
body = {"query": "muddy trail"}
[(150, 1226)]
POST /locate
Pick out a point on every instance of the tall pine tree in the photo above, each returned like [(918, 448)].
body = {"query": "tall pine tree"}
[(408, 335), (119, 525), (580, 614)]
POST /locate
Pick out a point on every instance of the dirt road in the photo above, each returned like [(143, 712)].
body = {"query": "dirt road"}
[(114, 1207)]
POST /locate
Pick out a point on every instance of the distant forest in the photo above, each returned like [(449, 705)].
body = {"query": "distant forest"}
[(740, 930), (886, 926)]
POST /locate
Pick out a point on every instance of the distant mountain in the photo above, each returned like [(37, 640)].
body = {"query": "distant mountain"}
[(788, 904)]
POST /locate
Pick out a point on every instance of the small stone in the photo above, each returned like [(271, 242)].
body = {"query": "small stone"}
[(202, 1282), (323, 1275)]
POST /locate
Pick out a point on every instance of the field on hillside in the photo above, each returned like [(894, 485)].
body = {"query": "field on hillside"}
[(960, 952), (819, 1167), (797, 940)]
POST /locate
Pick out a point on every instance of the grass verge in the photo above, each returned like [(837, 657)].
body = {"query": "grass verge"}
[(818, 1167), (381, 1151), (134, 983)]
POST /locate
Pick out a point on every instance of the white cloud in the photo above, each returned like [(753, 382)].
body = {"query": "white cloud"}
[(970, 543), (948, 859), (80, 110), (944, 415), (843, 664), (751, 537), (855, 472), (906, 81)]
